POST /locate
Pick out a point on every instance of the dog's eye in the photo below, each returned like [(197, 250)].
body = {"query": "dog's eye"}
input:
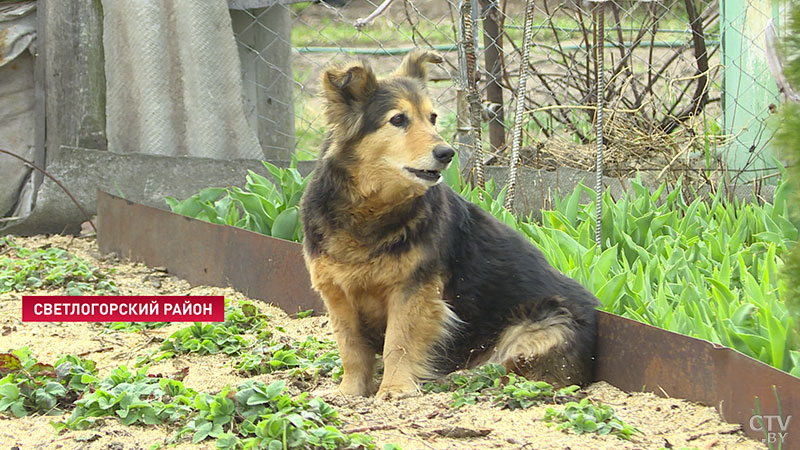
[(399, 120), (433, 118)]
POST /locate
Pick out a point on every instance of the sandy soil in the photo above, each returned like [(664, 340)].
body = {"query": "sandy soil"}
[(424, 422)]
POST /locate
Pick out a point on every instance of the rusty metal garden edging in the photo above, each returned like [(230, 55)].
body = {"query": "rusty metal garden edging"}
[(258, 266)]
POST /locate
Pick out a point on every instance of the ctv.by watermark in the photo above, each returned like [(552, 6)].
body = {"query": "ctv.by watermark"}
[(772, 426)]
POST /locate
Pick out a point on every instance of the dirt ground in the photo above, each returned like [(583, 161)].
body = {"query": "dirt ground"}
[(423, 422)]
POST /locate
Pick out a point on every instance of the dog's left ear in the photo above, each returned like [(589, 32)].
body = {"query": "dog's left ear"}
[(415, 64)]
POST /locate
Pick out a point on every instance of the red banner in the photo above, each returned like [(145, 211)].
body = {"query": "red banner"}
[(143, 308)]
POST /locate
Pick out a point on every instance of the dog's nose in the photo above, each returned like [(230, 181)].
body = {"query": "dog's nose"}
[(443, 153)]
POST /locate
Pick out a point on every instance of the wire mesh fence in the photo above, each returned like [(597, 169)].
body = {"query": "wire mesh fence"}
[(687, 87)]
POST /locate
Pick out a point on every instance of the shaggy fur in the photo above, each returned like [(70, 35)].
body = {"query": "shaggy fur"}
[(409, 269)]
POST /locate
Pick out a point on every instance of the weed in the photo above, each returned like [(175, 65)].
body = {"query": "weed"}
[(772, 444), (302, 314)]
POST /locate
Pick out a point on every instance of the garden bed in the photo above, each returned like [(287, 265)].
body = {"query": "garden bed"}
[(422, 422)]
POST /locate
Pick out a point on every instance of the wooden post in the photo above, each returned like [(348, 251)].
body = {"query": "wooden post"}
[(493, 58), (71, 67)]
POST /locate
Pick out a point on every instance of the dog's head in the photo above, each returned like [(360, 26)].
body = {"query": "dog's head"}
[(384, 129)]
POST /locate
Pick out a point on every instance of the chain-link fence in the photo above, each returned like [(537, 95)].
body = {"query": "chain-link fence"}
[(687, 87)]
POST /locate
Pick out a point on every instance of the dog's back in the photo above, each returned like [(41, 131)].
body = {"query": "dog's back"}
[(511, 300)]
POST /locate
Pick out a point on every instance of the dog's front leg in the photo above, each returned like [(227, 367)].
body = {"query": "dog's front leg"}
[(358, 358), (414, 325)]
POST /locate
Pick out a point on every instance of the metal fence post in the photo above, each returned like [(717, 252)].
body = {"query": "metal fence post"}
[(599, 41), (516, 142)]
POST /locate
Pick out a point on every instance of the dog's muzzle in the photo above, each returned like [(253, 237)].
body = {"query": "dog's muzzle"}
[(442, 154)]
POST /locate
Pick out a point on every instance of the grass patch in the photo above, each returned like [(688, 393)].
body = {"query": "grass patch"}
[(326, 32)]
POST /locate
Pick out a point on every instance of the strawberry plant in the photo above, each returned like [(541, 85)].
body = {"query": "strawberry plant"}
[(266, 417), (225, 337), (23, 269), (30, 387), (307, 359), (491, 382), (587, 417)]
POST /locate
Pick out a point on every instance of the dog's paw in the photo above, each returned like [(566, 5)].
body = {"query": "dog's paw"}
[(356, 388), (335, 397), (328, 393), (388, 393)]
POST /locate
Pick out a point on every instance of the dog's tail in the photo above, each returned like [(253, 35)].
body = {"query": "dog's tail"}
[(550, 340)]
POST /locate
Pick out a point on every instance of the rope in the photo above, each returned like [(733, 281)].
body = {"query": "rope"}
[(599, 40), (473, 95), (520, 107)]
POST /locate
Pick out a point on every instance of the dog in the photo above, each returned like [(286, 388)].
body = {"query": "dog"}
[(409, 269)]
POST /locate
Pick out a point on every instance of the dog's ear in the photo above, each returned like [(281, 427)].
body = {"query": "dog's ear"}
[(415, 64), (354, 83)]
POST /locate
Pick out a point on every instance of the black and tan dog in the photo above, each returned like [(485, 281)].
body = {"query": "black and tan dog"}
[(408, 268)]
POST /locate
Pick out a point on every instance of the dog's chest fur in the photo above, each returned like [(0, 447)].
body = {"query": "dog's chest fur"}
[(354, 266)]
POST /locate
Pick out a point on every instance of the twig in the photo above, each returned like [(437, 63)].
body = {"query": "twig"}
[(776, 65), (564, 116), (99, 350), (383, 426), (30, 163), (361, 23), (701, 57)]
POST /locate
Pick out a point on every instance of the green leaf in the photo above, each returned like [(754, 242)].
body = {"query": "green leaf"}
[(610, 292), (286, 223)]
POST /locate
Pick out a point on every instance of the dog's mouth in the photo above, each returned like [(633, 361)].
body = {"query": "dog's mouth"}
[(427, 175)]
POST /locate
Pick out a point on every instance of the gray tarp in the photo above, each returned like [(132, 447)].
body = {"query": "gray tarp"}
[(17, 34)]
